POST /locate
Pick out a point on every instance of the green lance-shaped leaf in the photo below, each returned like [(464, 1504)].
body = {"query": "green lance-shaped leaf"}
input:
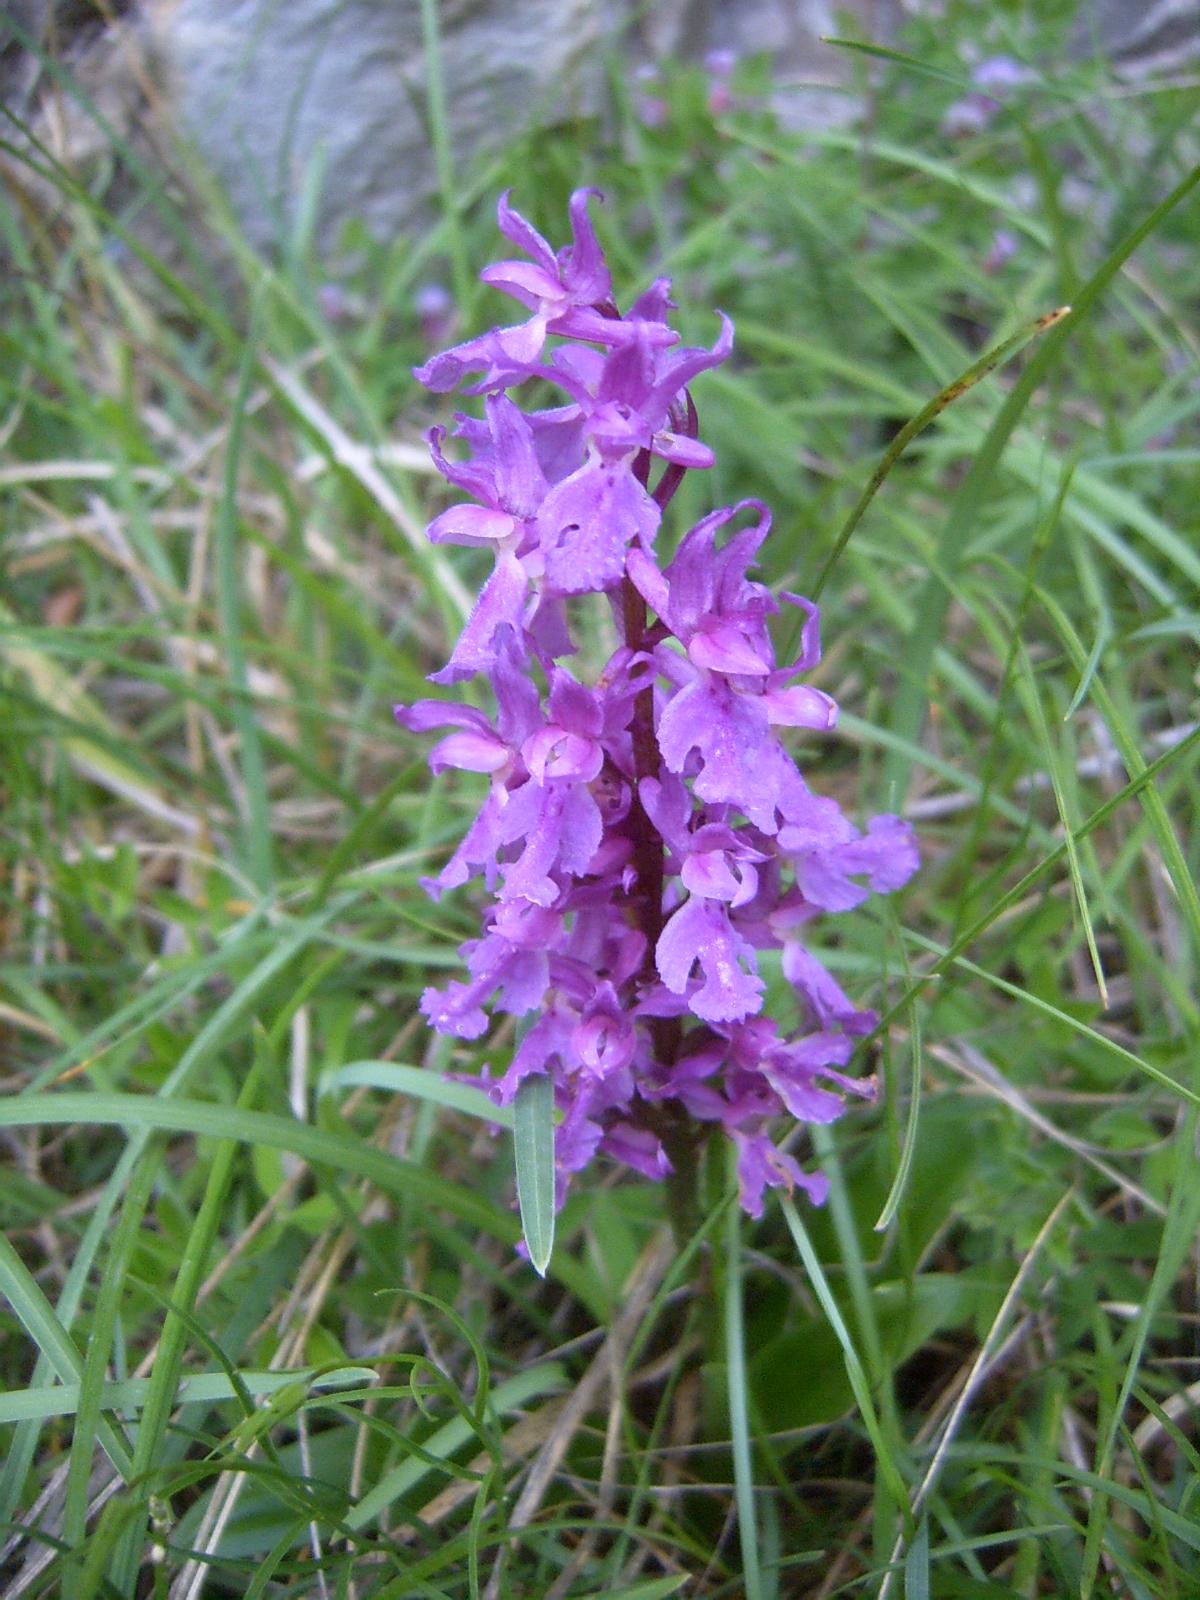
[(533, 1143)]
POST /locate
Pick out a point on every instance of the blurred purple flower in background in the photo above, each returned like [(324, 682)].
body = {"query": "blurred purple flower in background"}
[(333, 302), (436, 313), (719, 65), (646, 834), (973, 112), (1004, 247), (649, 107)]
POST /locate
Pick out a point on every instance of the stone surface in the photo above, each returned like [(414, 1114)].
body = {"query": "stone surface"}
[(278, 94), (1140, 36), (269, 92)]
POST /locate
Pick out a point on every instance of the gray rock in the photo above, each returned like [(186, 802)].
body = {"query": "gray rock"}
[(19, 66), (279, 95), (1140, 37), (267, 90), (274, 94)]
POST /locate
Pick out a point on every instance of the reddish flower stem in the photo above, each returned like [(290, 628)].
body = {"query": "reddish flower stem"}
[(681, 1137)]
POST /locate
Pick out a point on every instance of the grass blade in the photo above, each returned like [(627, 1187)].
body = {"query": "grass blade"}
[(927, 414), (38, 1318), (256, 823), (739, 1408), (421, 1082), (854, 1367), (933, 603)]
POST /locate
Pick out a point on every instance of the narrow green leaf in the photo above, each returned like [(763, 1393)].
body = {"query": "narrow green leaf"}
[(518, 1391), (342, 1151), (449, 190), (854, 1367), (934, 601), (37, 1317), (198, 1388), (1179, 1239), (909, 1149), (172, 1343), (1027, 684), (739, 1408), (960, 80), (916, 1564), (243, 712), (533, 1146), (927, 414), (99, 1346), (655, 1589), (420, 1082)]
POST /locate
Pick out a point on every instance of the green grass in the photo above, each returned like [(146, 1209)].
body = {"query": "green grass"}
[(263, 1329)]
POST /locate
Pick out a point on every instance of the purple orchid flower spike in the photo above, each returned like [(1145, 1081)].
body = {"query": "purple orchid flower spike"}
[(644, 831)]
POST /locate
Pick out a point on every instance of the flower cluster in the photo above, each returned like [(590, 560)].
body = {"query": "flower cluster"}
[(646, 833)]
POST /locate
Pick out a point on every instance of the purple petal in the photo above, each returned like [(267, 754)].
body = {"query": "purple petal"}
[(700, 931), (810, 633), (523, 234), (648, 581), (737, 557), (586, 524), (684, 452), (654, 304), (546, 1044), (469, 752), (605, 1042), (573, 705), (724, 647), (454, 1011), (887, 853), (628, 376), (524, 983), (583, 829), (680, 368), (501, 602), (521, 345), (741, 764), (554, 753), (800, 707), (584, 271), (762, 1166), (427, 714), (669, 807), (518, 705), (561, 827), (790, 1070), (813, 822), (478, 848), (473, 477), (825, 1001), (637, 1148), (533, 286), (520, 484), (498, 355), (470, 525), (692, 574), (582, 322), (576, 1140), (711, 874)]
